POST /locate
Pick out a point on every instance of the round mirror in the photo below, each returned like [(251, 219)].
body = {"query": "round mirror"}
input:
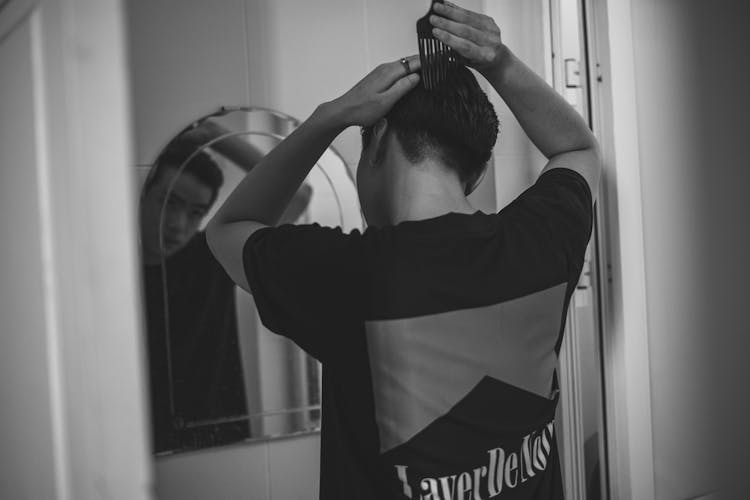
[(217, 375)]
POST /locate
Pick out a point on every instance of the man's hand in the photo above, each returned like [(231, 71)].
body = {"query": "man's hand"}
[(474, 36), (261, 198), (553, 125), (374, 95)]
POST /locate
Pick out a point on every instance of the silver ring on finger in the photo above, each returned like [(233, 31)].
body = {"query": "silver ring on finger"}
[(406, 65)]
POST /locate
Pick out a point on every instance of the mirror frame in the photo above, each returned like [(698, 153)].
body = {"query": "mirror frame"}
[(294, 123)]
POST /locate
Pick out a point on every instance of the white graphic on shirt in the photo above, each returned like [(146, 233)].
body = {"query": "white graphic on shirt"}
[(504, 471)]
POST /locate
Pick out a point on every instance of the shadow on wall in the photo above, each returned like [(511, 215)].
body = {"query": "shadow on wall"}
[(722, 177)]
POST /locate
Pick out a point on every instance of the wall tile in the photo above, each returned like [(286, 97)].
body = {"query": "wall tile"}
[(187, 58), (294, 465), (304, 53), (236, 472)]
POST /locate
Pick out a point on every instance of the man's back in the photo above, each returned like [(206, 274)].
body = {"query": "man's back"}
[(438, 339), (422, 398)]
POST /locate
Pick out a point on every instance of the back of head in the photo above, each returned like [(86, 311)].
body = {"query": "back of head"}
[(454, 123)]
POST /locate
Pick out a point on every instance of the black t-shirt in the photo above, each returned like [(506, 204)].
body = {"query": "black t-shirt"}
[(207, 377), (438, 339)]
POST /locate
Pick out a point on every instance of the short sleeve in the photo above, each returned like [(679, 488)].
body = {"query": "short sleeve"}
[(305, 280), (559, 205)]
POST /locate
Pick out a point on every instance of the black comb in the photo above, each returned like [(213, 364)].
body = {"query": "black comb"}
[(436, 57)]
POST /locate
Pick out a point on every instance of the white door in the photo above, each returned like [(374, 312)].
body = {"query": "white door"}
[(72, 407)]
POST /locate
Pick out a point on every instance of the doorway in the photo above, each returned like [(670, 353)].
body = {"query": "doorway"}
[(581, 413)]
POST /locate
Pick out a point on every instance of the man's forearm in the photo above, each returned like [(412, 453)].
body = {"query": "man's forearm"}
[(266, 190), (241, 152), (234, 147), (552, 124)]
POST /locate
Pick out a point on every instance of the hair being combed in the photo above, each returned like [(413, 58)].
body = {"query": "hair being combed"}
[(454, 122)]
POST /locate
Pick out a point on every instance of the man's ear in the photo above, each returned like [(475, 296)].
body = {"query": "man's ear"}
[(379, 141), (379, 128)]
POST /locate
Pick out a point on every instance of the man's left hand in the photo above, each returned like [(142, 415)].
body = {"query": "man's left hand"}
[(374, 95)]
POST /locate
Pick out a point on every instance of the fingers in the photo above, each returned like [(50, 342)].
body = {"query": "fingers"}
[(474, 36), (397, 69), (460, 30), (414, 63), (400, 88), (386, 84), (387, 74), (461, 15), (464, 47)]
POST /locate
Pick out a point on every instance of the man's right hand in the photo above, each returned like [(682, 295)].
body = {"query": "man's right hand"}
[(474, 36)]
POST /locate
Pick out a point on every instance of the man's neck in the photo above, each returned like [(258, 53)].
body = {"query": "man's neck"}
[(421, 210), (424, 193)]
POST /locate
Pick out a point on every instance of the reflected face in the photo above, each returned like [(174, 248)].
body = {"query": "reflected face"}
[(185, 207)]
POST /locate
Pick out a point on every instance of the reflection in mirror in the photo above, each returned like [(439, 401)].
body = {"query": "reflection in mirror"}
[(217, 376)]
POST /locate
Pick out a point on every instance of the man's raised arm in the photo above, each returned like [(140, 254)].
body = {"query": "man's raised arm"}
[(264, 193), (552, 124)]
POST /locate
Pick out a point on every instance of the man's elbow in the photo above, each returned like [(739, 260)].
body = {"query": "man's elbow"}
[(213, 234), (226, 241), (598, 158), (589, 142)]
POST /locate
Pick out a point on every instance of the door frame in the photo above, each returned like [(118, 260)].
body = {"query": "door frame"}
[(571, 432), (93, 347), (620, 237)]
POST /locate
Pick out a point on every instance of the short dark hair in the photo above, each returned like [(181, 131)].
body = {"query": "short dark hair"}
[(454, 121), (202, 166)]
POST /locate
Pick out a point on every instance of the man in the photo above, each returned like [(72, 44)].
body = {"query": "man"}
[(194, 358), (194, 354), (438, 327)]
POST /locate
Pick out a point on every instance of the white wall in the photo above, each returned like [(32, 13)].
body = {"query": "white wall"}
[(26, 389), (517, 160), (691, 93), (72, 403), (186, 59), (280, 469)]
